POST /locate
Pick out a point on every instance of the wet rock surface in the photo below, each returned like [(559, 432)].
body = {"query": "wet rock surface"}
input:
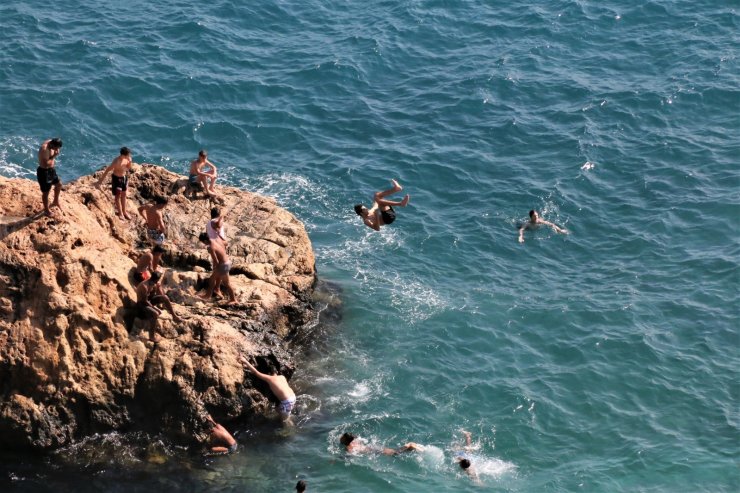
[(73, 359)]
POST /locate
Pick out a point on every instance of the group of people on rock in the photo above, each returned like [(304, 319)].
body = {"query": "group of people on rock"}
[(148, 273)]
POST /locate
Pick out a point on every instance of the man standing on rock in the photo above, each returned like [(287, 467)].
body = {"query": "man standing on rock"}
[(279, 387), (120, 168), (152, 214), (148, 294), (46, 173), (221, 267)]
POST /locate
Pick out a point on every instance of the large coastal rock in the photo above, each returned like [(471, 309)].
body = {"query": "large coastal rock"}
[(74, 361)]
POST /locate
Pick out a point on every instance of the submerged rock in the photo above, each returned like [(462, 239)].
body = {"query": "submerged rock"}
[(71, 360)]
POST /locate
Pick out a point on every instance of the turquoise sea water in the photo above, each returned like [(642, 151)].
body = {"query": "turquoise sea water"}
[(604, 360)]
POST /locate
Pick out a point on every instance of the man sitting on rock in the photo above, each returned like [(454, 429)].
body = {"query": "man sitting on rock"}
[(148, 294), (382, 212), (221, 267), (279, 387), (197, 175), (148, 262), (152, 214)]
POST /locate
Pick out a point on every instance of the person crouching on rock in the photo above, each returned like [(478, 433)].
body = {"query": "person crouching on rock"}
[(152, 214), (279, 387), (221, 267), (220, 440), (148, 294), (148, 262)]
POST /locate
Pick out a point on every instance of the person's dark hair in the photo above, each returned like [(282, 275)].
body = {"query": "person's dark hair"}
[(156, 276), (532, 212), (204, 238), (158, 249), (55, 143), (358, 209), (159, 200), (464, 463), (215, 212), (125, 151), (202, 153), (346, 439), (300, 486)]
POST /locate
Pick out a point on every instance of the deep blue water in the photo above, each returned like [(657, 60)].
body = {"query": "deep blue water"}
[(604, 360)]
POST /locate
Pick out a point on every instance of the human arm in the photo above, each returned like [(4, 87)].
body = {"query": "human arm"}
[(254, 370), (105, 173), (555, 227), (521, 233), (141, 210)]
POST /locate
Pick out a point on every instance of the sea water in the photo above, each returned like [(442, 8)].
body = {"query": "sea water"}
[(602, 360)]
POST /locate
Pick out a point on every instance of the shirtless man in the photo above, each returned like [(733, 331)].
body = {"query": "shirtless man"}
[(120, 168), (46, 173), (382, 212), (207, 179), (463, 459), (220, 440), (221, 267), (149, 293), (355, 445), (279, 387), (147, 264), (535, 222), (152, 214)]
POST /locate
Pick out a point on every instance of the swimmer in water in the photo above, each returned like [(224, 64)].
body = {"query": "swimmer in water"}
[(463, 459), (381, 213), (280, 389), (535, 222), (355, 445)]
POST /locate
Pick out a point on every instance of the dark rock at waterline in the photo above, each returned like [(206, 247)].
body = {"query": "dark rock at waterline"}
[(71, 359)]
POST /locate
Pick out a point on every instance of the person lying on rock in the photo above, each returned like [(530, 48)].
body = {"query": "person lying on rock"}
[(279, 387), (220, 440), (148, 262), (152, 214), (197, 175), (46, 173), (355, 445), (221, 267), (382, 212), (120, 167), (148, 294)]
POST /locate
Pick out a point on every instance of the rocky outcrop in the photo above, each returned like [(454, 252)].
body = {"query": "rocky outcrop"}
[(72, 358)]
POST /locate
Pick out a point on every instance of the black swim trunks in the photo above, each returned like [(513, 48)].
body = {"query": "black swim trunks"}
[(388, 216), (119, 184), (46, 178)]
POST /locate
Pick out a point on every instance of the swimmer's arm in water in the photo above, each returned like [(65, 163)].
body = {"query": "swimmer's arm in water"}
[(555, 227), (521, 232)]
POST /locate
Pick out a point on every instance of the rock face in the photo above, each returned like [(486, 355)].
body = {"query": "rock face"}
[(72, 357)]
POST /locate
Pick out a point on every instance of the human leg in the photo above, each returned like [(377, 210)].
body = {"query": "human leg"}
[(57, 191), (164, 300)]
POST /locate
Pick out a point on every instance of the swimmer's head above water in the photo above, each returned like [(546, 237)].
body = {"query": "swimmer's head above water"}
[(464, 463), (346, 439)]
